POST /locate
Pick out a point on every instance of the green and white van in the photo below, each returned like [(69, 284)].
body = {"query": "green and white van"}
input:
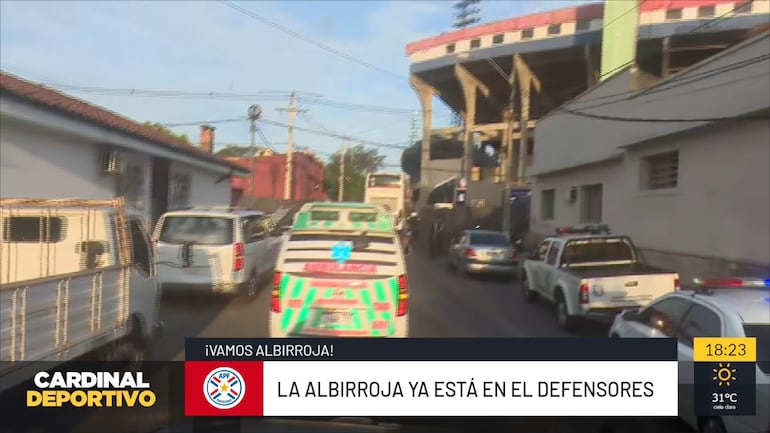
[(340, 273)]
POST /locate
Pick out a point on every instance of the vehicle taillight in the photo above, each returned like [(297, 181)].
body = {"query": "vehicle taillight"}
[(238, 259), (584, 293), (676, 284), (470, 252), (275, 301), (403, 296)]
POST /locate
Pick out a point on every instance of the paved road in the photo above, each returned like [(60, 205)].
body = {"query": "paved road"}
[(442, 305)]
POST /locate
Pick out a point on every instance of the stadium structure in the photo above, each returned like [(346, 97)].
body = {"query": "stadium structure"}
[(502, 76)]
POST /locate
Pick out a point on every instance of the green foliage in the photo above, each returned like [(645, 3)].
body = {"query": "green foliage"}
[(162, 128), (359, 161), (233, 151)]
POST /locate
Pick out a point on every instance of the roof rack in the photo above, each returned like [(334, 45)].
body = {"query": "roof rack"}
[(591, 229)]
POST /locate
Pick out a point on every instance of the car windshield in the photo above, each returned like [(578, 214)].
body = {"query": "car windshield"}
[(201, 230), (762, 334), (495, 239), (597, 250)]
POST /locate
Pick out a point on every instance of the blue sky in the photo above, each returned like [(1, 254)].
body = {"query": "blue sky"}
[(209, 47)]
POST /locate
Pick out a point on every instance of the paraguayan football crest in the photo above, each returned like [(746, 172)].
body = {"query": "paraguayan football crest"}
[(224, 388)]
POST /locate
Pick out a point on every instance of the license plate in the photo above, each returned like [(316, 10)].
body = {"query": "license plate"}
[(336, 318)]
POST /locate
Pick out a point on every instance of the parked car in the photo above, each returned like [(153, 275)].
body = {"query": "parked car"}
[(591, 274), (735, 307), (482, 252), (77, 277), (341, 273), (206, 250)]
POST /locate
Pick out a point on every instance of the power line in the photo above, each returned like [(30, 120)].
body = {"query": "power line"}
[(313, 42), (335, 135)]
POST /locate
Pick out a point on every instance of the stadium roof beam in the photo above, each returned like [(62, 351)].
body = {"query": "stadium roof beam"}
[(471, 86)]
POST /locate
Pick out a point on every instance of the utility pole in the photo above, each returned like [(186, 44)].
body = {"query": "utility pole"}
[(341, 180), (289, 172), (508, 155), (255, 112)]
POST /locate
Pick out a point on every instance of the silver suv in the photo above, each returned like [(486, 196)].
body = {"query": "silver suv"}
[(216, 250)]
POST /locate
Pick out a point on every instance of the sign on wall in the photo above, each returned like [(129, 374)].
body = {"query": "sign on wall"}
[(619, 36)]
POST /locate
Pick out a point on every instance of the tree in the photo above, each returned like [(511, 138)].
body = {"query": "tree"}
[(467, 13), (164, 129), (234, 151), (358, 162)]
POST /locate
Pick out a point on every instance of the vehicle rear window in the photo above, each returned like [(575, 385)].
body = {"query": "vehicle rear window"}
[(497, 240), (597, 251), (362, 217), (324, 215), (200, 230), (762, 334)]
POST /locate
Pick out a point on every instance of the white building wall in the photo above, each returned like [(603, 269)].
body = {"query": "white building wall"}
[(204, 191), (719, 214)]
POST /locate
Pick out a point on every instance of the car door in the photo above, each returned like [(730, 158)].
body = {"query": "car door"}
[(144, 286), (701, 321), (267, 243), (535, 264), (275, 240), (548, 273)]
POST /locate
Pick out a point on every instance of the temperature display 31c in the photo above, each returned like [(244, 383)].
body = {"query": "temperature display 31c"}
[(725, 374)]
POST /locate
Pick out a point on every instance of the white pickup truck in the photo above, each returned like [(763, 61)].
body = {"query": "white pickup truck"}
[(589, 273), (77, 277)]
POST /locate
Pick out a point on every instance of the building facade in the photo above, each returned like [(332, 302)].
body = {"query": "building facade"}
[(693, 195), (268, 178), (56, 146)]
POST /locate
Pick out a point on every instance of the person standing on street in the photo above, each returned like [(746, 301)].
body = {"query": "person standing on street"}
[(437, 230)]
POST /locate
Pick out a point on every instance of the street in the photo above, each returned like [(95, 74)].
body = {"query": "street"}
[(442, 305)]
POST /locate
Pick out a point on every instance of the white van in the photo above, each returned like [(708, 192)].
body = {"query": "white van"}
[(215, 250), (77, 277), (340, 273)]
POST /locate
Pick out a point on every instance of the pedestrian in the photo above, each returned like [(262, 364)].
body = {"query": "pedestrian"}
[(437, 231)]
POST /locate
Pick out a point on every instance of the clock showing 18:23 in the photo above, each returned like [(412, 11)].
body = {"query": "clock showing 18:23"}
[(724, 376)]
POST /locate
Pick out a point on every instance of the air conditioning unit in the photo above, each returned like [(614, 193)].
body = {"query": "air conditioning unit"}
[(112, 162)]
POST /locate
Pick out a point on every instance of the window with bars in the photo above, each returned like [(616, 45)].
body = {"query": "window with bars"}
[(591, 203), (743, 7), (554, 29), (660, 171), (547, 204), (674, 14), (527, 33), (475, 43), (706, 11), (498, 39), (583, 25)]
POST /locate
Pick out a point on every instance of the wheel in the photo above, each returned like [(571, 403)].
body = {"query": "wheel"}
[(529, 295), (128, 351), (563, 319), (712, 425)]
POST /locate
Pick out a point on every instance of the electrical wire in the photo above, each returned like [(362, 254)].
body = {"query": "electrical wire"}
[(662, 120), (334, 135), (311, 41)]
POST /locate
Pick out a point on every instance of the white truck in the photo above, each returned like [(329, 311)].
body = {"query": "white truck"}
[(591, 274), (77, 278)]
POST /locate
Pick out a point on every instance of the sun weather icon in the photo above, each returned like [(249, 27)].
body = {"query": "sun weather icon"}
[(724, 375), (342, 251)]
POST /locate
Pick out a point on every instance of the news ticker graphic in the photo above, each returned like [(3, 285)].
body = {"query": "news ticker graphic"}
[(725, 376), (431, 377)]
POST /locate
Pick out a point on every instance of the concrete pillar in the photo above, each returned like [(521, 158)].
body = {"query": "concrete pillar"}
[(425, 93), (470, 86), (527, 81), (592, 74)]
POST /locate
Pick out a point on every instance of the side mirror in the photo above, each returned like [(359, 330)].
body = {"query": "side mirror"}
[(258, 234), (631, 314)]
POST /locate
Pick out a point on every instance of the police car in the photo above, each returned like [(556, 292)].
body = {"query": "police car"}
[(340, 273), (738, 307)]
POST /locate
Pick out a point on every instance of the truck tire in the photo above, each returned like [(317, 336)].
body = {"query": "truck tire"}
[(529, 295), (565, 321)]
